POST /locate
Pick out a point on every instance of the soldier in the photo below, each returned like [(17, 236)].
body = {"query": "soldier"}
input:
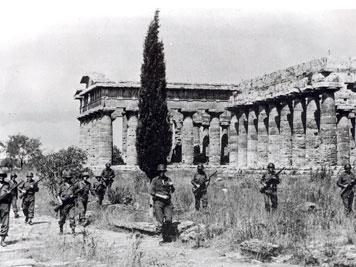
[(5, 199), (269, 182), (199, 183), (14, 194), (66, 197), (347, 181), (108, 175), (161, 190), (82, 189), (28, 190), (99, 188)]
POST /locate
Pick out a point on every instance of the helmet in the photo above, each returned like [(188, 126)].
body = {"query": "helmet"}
[(200, 166), (29, 174), (13, 175), (3, 173), (85, 174), (347, 166), (66, 174), (108, 165), (161, 168), (270, 166)]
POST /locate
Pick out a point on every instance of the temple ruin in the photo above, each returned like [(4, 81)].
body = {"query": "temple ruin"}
[(299, 117)]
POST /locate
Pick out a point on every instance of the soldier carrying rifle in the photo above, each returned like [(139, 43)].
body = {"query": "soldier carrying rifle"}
[(5, 198), (269, 182), (27, 193), (347, 182)]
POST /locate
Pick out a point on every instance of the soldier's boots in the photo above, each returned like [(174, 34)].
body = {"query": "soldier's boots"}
[(16, 215), (30, 221), (61, 230), (73, 231), (2, 242), (26, 219)]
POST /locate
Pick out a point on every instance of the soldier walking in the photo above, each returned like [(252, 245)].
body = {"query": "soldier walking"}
[(161, 190), (99, 188), (108, 175), (82, 187), (66, 195), (28, 190), (269, 182), (14, 194), (5, 199), (200, 191), (346, 181)]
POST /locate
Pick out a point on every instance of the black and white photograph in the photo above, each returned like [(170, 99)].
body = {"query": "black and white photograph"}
[(193, 135)]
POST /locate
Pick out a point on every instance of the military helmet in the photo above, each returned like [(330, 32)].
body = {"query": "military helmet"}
[(13, 175), (3, 173), (85, 174), (108, 165), (270, 166), (200, 166), (347, 166), (66, 174), (161, 168), (29, 174)]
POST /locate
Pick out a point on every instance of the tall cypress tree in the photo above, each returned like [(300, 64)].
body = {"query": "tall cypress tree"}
[(154, 137)]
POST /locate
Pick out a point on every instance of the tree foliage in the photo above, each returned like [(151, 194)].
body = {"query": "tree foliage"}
[(117, 156), (51, 166), (154, 137), (21, 150)]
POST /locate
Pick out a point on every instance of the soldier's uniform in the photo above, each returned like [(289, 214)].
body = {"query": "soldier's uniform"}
[(4, 207), (108, 175), (346, 182), (200, 190), (29, 189), (99, 188), (269, 182), (83, 188), (66, 195), (14, 194), (161, 190)]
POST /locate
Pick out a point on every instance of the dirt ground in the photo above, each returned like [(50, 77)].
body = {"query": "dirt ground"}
[(40, 245)]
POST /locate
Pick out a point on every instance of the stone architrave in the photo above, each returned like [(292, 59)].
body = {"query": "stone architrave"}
[(328, 129), (132, 121), (286, 131), (298, 138), (313, 141), (233, 141), (187, 139), (214, 134), (105, 139), (252, 138), (242, 139), (274, 138), (343, 139), (262, 137)]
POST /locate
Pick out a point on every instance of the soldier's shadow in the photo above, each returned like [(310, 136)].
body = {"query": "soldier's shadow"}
[(43, 222)]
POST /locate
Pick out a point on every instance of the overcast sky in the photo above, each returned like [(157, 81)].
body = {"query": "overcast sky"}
[(46, 48)]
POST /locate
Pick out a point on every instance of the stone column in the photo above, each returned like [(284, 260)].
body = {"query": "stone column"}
[(94, 150), (131, 158), (197, 121), (312, 142), (242, 139), (214, 133), (274, 136), (252, 138), (298, 139), (205, 138), (262, 137), (343, 139), (286, 131), (225, 119), (187, 139), (233, 141), (124, 137), (328, 129), (352, 139), (105, 138)]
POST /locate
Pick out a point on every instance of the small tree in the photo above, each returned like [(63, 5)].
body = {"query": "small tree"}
[(154, 137), (51, 166), (117, 156), (21, 149)]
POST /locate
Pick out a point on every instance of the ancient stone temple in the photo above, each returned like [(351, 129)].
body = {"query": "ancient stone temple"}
[(299, 117)]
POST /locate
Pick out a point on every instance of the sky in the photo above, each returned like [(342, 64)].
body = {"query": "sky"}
[(47, 46)]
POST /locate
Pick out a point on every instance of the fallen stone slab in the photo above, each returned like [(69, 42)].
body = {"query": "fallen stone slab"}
[(260, 250), (150, 228)]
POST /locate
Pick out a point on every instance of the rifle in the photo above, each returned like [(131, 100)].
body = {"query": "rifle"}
[(10, 190), (263, 189), (65, 201), (22, 194), (350, 185), (205, 184)]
